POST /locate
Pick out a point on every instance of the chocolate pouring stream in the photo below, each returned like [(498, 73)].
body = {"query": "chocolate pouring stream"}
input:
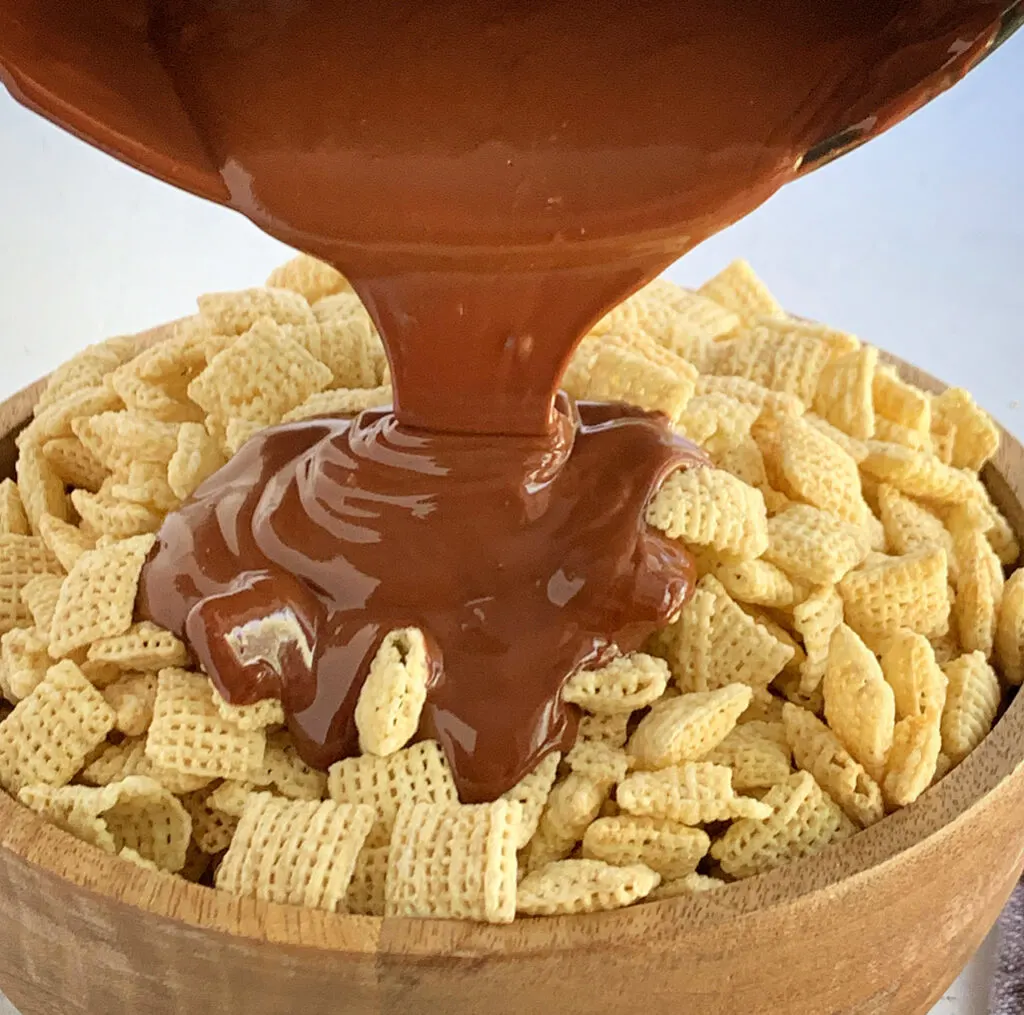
[(492, 177)]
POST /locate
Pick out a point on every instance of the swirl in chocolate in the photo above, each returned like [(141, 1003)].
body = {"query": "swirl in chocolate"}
[(520, 557)]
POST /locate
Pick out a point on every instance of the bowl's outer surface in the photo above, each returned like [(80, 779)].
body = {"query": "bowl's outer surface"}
[(880, 925)]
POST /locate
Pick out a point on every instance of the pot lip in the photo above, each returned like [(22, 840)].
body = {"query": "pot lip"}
[(60, 863)]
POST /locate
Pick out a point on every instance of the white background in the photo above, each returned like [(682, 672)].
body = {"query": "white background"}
[(915, 242)]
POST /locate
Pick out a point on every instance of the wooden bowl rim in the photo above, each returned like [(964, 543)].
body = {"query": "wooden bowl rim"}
[(843, 868)]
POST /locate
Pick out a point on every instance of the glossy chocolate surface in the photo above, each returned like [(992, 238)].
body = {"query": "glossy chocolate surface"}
[(492, 176), (521, 558)]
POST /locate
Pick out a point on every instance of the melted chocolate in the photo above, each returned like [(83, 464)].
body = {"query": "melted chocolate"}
[(521, 558), (492, 176)]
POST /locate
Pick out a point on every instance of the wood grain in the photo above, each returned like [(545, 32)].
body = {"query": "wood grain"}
[(880, 925)]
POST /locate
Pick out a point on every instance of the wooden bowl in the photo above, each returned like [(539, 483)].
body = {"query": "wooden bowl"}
[(881, 924)]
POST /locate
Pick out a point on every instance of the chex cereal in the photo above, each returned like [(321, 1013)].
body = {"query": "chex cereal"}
[(388, 711), (454, 861), (298, 852), (623, 685), (801, 819), (856, 622), (692, 793), (189, 735), (688, 727), (671, 849), (532, 792), (136, 813), (415, 774), (97, 598), (51, 732), (583, 886), (572, 804), (859, 703)]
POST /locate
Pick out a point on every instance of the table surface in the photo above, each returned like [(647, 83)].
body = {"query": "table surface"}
[(915, 242)]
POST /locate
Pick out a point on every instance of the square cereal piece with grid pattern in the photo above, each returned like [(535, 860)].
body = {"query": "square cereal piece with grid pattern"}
[(774, 403), (693, 793), (791, 363), (415, 774), (845, 392), (258, 378), (340, 402), (815, 620), (349, 344), (671, 849), (40, 597), (895, 592), (295, 852), (284, 770), (22, 558), (114, 517), (196, 457), (816, 749), (113, 762), (13, 520), (583, 886), (976, 436), (24, 661), (42, 490), (50, 733), (737, 288), (900, 402), (814, 546), (1009, 647), (918, 474), (711, 508), (86, 369), (602, 370), (55, 420), (973, 696), (532, 792), (715, 643), (860, 706), (234, 313), (756, 582), (367, 889), (257, 716), (97, 599), (688, 727), (802, 820), (136, 813), (188, 733), (757, 755), (454, 862), (911, 526), (391, 700), (65, 541), (819, 472), (625, 684), (980, 582), (573, 803), (310, 278), (144, 646), (75, 463), (117, 439)]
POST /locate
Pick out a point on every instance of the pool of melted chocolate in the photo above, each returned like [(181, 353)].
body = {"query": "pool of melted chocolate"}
[(519, 567)]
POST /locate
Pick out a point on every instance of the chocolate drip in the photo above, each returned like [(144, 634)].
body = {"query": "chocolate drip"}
[(521, 558)]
